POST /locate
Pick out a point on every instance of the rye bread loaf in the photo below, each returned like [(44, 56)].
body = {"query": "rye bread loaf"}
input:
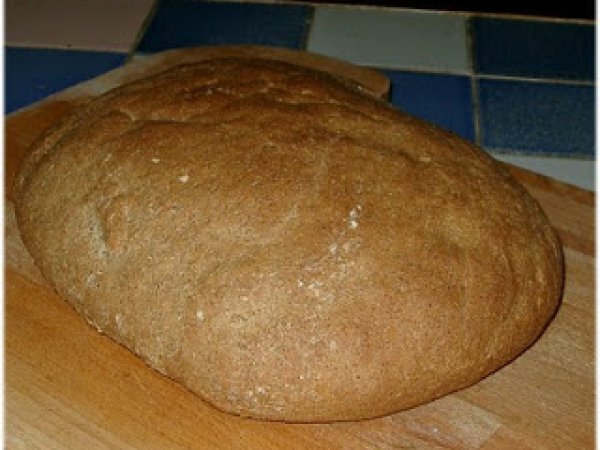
[(285, 246)]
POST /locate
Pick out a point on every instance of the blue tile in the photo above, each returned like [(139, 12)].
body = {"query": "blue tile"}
[(534, 49), (442, 99), (538, 117), (32, 74), (182, 23)]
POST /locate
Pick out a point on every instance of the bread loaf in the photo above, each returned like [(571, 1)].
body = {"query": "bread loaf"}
[(285, 246)]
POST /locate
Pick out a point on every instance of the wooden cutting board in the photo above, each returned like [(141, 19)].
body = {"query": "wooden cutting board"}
[(66, 386)]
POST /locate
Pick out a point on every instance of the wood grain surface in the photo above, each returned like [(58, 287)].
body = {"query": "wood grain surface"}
[(67, 386)]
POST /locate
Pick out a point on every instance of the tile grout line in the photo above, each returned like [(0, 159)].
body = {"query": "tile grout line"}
[(500, 77), (481, 76), (475, 104), (309, 25), (476, 107), (142, 30), (506, 151), (65, 48), (526, 18), (414, 69)]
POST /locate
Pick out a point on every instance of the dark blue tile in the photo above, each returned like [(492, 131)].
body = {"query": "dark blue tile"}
[(442, 99), (182, 23), (534, 49), (538, 117), (32, 74)]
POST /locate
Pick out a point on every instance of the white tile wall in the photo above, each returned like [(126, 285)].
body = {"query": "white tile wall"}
[(393, 39), (102, 25)]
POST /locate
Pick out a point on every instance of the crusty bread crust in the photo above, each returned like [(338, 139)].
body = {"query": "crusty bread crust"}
[(285, 246)]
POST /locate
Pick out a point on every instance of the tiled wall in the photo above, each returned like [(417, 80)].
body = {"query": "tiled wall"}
[(516, 86)]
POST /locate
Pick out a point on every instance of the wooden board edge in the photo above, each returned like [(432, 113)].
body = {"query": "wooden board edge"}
[(551, 184)]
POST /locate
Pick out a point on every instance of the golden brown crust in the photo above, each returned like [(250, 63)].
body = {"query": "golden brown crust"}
[(285, 246)]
